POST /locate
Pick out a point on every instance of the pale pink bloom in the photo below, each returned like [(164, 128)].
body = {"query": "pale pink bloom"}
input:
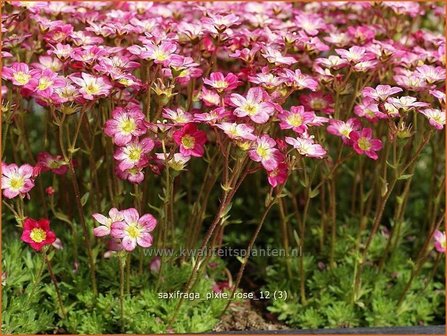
[(306, 146), (134, 230), (222, 83), (46, 81), (440, 95), (237, 131), (88, 54), (440, 241), (217, 24), (125, 126), (106, 222), (435, 117), (381, 92), (92, 87), (344, 129), (158, 53), (264, 150), (296, 119), (48, 62), (178, 116), (209, 97), (369, 109), (191, 140), (274, 56), (134, 153), (364, 143), (355, 54), (17, 180), (213, 116), (48, 162), (298, 80), (312, 24), (266, 79), (411, 82), (431, 74), (365, 66), (332, 62), (134, 175), (62, 51), (406, 103), (253, 105)]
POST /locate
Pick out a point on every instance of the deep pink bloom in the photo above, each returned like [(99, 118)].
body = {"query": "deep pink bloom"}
[(296, 119), (17, 180), (125, 125), (134, 154), (190, 140), (222, 83), (254, 105), (48, 162), (18, 73), (317, 101), (364, 143), (106, 222), (133, 229), (344, 129), (37, 233), (278, 175)]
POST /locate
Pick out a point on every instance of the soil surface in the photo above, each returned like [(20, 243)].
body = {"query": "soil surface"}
[(242, 316)]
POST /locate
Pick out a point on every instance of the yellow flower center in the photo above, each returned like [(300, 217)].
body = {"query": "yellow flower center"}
[(345, 131), (251, 109), (135, 154), (22, 78), (92, 88), (16, 183), (364, 144), (44, 83), (128, 126), (188, 141), (221, 84), (295, 120), (262, 152), (160, 55), (38, 235), (133, 231)]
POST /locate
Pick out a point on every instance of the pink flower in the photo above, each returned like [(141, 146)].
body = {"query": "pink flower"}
[(190, 140), (178, 116), (125, 125), (264, 151), (106, 222), (298, 80), (431, 74), (435, 117), (369, 109), (278, 175), (209, 97), (133, 154), (253, 106), (237, 131), (381, 92), (275, 57), (406, 103), (440, 241), (91, 86), (344, 129), (134, 230), (222, 83), (17, 180), (364, 143), (355, 54), (307, 147), (48, 162), (317, 101), (18, 73), (296, 119), (158, 53), (37, 233)]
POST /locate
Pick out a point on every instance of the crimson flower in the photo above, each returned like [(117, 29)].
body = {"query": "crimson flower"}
[(37, 233)]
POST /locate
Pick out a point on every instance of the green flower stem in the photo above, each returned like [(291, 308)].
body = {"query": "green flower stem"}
[(122, 261), (53, 279)]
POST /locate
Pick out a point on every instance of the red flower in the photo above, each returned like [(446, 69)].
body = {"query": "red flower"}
[(37, 233), (191, 140)]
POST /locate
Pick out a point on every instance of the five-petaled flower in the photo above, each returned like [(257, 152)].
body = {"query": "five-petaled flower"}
[(37, 233), (191, 140)]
